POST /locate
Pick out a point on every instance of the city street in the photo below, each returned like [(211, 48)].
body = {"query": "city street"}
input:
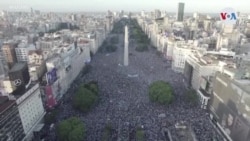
[(124, 102)]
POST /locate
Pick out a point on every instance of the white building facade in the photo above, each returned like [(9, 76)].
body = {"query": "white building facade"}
[(180, 53), (31, 110)]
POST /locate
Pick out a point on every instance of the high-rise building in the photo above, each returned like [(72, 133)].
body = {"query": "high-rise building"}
[(143, 13), (180, 12), (30, 107), (31, 12), (19, 75), (157, 13), (22, 51), (9, 53)]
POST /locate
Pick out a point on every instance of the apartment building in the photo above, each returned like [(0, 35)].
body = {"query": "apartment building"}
[(230, 107), (30, 107), (10, 121), (22, 51), (36, 64), (198, 65), (180, 53), (8, 50), (63, 70)]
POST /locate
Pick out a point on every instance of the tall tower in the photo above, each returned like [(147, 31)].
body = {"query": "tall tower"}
[(180, 12), (126, 42), (9, 54)]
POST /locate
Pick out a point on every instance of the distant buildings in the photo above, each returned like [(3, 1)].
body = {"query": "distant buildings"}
[(157, 13), (180, 12), (39, 63)]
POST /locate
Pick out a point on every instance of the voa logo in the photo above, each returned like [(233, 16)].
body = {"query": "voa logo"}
[(228, 16)]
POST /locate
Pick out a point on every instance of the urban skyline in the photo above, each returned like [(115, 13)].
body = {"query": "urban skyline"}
[(211, 6)]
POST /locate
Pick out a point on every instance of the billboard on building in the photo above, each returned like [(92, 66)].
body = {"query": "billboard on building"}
[(51, 76), (50, 100)]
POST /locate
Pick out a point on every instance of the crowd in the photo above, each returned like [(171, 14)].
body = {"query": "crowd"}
[(124, 102)]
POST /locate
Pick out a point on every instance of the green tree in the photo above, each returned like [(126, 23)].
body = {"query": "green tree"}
[(161, 92), (92, 86), (85, 97), (77, 134), (71, 129)]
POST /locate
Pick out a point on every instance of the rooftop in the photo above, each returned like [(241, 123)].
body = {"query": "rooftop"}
[(5, 103), (39, 52)]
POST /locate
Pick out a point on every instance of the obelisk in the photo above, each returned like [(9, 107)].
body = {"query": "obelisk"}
[(126, 42)]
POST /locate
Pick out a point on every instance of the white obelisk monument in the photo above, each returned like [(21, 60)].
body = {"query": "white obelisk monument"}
[(126, 42)]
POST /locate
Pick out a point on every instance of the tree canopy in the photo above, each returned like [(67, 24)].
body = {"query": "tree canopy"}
[(71, 129), (161, 92), (141, 38), (86, 96)]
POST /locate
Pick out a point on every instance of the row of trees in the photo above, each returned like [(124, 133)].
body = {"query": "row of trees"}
[(140, 37), (86, 96), (73, 129), (119, 26), (106, 47)]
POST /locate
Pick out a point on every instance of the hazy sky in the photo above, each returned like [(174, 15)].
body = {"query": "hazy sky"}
[(208, 6)]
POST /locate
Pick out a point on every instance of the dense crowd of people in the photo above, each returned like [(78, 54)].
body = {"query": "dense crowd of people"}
[(124, 103)]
